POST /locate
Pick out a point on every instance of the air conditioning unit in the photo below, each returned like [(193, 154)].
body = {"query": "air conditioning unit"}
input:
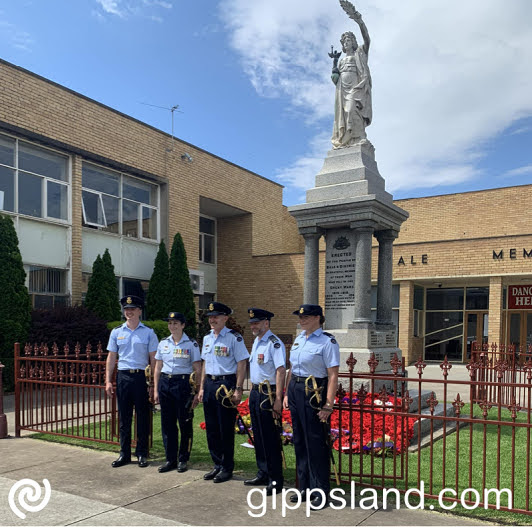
[(197, 281)]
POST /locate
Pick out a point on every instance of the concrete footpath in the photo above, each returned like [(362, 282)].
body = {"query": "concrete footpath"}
[(86, 490)]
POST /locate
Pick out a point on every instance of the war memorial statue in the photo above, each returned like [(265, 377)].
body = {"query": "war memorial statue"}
[(352, 106), (350, 207)]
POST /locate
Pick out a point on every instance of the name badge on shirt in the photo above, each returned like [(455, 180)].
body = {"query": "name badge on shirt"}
[(260, 358), (181, 353), (221, 351)]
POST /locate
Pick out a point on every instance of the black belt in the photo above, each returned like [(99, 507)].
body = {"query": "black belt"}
[(176, 375), (229, 377), (131, 371), (257, 386), (295, 378)]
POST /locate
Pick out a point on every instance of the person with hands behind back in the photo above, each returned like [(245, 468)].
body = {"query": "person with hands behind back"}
[(134, 344), (176, 358)]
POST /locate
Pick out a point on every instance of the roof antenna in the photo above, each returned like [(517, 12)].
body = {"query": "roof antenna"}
[(172, 110)]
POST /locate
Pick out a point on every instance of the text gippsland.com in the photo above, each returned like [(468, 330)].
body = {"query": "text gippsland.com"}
[(369, 499)]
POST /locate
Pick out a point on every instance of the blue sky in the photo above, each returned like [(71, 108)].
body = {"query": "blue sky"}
[(452, 82)]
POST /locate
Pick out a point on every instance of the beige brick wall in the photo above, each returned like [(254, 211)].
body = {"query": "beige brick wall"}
[(75, 262), (41, 107)]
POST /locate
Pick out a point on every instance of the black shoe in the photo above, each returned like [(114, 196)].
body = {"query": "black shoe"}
[(169, 465), (212, 474), (223, 476), (143, 462), (257, 480), (293, 497), (182, 467), (121, 461), (317, 503), (271, 487)]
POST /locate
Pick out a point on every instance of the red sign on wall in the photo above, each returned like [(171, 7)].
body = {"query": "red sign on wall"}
[(520, 297)]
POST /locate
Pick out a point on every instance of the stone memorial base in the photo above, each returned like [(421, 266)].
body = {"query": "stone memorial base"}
[(364, 341)]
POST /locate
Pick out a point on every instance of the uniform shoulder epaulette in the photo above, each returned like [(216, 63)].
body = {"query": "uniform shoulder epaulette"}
[(331, 336), (237, 335), (275, 340), (196, 345)]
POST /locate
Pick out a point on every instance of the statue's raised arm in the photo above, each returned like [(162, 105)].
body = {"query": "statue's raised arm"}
[(352, 13), (353, 112)]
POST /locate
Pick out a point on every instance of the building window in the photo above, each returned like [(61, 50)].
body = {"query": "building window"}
[(33, 180), (205, 299), (120, 204), (47, 287), (207, 240)]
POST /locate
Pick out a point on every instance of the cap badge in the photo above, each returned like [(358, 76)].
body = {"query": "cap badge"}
[(211, 307), (172, 315), (251, 314), (129, 300), (302, 310)]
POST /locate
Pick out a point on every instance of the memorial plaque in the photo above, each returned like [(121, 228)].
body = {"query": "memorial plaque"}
[(339, 278)]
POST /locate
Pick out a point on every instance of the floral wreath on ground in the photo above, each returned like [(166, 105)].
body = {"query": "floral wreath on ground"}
[(371, 426)]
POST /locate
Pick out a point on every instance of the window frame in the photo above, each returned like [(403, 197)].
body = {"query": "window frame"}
[(120, 197), (43, 182), (100, 201), (202, 235)]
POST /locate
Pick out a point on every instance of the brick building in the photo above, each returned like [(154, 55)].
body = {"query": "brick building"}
[(79, 177)]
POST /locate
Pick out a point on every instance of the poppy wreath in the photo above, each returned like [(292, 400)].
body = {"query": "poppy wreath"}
[(368, 427), (371, 426)]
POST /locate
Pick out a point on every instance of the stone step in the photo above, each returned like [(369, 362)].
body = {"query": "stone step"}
[(422, 426), (416, 397)]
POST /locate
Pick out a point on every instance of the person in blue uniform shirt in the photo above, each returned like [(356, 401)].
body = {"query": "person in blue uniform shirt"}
[(314, 353), (134, 345), (267, 362), (176, 358), (225, 357)]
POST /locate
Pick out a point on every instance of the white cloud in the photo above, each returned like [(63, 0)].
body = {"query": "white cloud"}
[(447, 76), (126, 8), (521, 171), (113, 7), (14, 36)]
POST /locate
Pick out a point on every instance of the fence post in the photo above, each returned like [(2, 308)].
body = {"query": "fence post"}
[(3, 418), (17, 390)]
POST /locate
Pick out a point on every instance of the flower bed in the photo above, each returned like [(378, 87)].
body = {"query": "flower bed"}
[(376, 428), (382, 431)]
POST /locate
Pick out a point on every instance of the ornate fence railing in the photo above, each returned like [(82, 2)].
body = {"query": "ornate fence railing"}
[(62, 392), (447, 436)]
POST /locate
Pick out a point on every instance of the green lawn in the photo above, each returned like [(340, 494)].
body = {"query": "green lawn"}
[(200, 457), (486, 451)]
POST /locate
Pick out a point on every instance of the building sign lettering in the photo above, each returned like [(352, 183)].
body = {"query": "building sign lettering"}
[(512, 253), (414, 260), (520, 297)]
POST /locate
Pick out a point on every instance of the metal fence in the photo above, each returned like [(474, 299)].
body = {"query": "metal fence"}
[(391, 431), (62, 392), (503, 371)]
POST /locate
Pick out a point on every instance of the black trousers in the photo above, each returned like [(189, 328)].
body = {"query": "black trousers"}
[(174, 393), (266, 436), (220, 423), (310, 438), (131, 391)]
